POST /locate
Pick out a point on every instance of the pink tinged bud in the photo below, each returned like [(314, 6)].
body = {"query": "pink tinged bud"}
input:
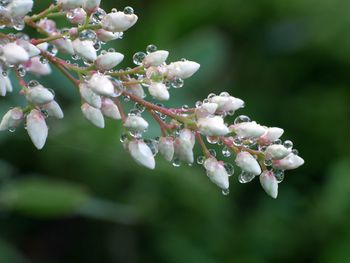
[(11, 119), (19, 8), (248, 129), (70, 4), (53, 109), (269, 183), (276, 152), (89, 96), (85, 49), (30, 48), (106, 36), (248, 163), (93, 115), (217, 173), (207, 109), (48, 25), (91, 5), (76, 16), (38, 68), (39, 95), (227, 103), (184, 146), (136, 123), (182, 69), (109, 60), (118, 21), (136, 90), (37, 129), (43, 46), (159, 91), (271, 135), (65, 46), (101, 84), (142, 154), (212, 126), (109, 109), (166, 148), (14, 54), (290, 162), (156, 58)]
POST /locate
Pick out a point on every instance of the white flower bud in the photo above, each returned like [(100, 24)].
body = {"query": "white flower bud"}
[(248, 129), (19, 8), (101, 84), (39, 95), (89, 96), (136, 123), (93, 115), (48, 25), (70, 4), (156, 58), (37, 68), (76, 16), (64, 45), (276, 152), (271, 135), (159, 91), (109, 109), (136, 89), (106, 36), (217, 173), (37, 128), (30, 48), (248, 163), (108, 61), (2, 86), (290, 162), (166, 148), (11, 119), (85, 49), (269, 183), (8, 84), (182, 69), (53, 109), (14, 54), (184, 146), (43, 46), (227, 103), (91, 5), (212, 126), (142, 154), (118, 21)]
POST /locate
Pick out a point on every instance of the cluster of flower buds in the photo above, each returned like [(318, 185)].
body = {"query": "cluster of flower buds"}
[(104, 89)]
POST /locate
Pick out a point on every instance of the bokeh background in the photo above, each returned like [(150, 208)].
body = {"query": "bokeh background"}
[(83, 199)]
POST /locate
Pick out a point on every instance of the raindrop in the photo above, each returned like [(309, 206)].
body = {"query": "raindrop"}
[(212, 152), (128, 10), (177, 83), (211, 95), (176, 162), (229, 168), (288, 144), (43, 60), (97, 16), (225, 191), (33, 83), (87, 35), (224, 94), (241, 118), (200, 159), (199, 104), (245, 177), (279, 174), (226, 152), (213, 139), (151, 48), (138, 58), (12, 129)]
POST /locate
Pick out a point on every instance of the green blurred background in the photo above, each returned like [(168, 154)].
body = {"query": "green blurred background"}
[(83, 199)]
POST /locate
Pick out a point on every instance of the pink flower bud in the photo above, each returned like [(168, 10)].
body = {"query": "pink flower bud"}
[(136, 123), (290, 162), (37, 68), (30, 48), (182, 69), (108, 61), (159, 91), (248, 163), (271, 135), (93, 115), (85, 49), (91, 5), (89, 96), (166, 148), (136, 89), (212, 126), (184, 144), (48, 25), (70, 4), (109, 109), (19, 8), (36, 128), (53, 109), (276, 152), (142, 154), (217, 173), (227, 103), (76, 16), (101, 84), (11, 119), (206, 110), (118, 21), (14, 54), (156, 58), (248, 129), (39, 95), (106, 36), (64, 45), (269, 183)]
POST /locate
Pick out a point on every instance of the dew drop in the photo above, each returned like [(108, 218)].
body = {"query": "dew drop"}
[(213, 139), (226, 152), (138, 58), (12, 129), (245, 177), (279, 174), (177, 83), (241, 118), (288, 144), (211, 95), (128, 10), (176, 162), (151, 48), (212, 152), (33, 83), (229, 168), (200, 159), (97, 16), (225, 191)]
